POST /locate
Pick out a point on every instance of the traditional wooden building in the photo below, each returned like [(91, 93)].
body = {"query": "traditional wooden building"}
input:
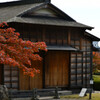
[(68, 62)]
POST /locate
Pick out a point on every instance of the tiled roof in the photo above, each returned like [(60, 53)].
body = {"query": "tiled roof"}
[(9, 12)]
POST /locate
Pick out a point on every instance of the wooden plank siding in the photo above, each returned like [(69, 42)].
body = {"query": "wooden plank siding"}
[(37, 81), (24, 81), (52, 36), (56, 69), (28, 83)]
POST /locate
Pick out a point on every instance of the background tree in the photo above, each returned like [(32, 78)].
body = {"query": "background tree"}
[(17, 52), (96, 61)]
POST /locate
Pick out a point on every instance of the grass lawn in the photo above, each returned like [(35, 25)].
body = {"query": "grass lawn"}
[(96, 82), (95, 96)]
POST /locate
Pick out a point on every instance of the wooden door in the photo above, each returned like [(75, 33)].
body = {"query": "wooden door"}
[(28, 83), (56, 68)]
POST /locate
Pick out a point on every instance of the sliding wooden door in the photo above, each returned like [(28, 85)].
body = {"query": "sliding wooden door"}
[(56, 68)]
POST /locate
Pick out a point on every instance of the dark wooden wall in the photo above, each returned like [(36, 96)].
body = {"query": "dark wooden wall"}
[(80, 61), (51, 35)]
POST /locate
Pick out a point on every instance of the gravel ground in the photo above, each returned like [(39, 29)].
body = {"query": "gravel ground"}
[(44, 99)]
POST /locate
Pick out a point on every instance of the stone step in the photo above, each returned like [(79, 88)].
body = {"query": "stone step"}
[(39, 94), (65, 92), (41, 98)]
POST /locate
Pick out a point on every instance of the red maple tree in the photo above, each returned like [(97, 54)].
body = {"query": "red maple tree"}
[(17, 52), (96, 61)]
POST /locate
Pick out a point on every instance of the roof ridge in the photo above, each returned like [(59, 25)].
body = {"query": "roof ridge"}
[(22, 2)]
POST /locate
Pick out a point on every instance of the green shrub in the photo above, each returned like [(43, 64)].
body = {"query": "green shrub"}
[(96, 82)]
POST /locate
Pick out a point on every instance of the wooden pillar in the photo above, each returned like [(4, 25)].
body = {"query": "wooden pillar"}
[(43, 70), (80, 43), (91, 68), (43, 37), (69, 69), (43, 79), (69, 38)]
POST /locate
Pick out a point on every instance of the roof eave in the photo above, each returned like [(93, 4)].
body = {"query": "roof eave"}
[(94, 38), (21, 2)]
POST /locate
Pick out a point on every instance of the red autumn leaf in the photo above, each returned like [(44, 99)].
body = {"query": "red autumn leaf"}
[(17, 52)]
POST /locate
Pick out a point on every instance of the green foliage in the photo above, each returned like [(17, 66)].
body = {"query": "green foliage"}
[(96, 82), (96, 62)]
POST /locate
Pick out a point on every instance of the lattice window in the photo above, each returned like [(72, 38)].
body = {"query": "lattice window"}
[(11, 75)]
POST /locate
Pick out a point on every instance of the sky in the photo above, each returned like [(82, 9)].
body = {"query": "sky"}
[(83, 11)]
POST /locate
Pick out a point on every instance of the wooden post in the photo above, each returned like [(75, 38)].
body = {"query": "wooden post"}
[(69, 39), (80, 43), (34, 97), (1, 74), (10, 94), (43, 37), (43, 71), (56, 93)]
